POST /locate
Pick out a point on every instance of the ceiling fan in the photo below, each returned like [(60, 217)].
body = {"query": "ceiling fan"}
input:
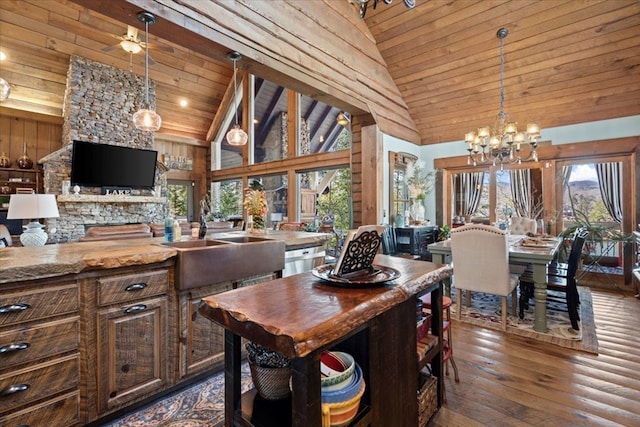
[(133, 44)]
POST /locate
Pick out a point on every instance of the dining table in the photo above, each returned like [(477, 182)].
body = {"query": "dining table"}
[(538, 252)]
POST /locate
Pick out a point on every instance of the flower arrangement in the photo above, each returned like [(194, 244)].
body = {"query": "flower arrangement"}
[(420, 181), (255, 202)]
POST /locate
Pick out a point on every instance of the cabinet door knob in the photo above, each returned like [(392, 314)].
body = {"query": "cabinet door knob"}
[(14, 308), (134, 308), (135, 287), (9, 348), (13, 389)]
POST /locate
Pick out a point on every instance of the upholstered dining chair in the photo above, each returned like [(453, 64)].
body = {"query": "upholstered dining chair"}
[(5, 236), (480, 255), (523, 225)]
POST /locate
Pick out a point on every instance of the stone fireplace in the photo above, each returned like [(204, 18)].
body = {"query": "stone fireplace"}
[(99, 103)]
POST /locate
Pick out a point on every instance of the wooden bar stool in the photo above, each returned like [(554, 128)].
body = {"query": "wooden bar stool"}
[(447, 342)]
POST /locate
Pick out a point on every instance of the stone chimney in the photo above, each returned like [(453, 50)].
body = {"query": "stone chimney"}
[(98, 107)]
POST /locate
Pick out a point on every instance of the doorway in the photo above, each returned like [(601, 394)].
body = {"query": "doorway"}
[(180, 199)]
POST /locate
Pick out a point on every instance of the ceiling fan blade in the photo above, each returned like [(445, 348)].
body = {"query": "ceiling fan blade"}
[(151, 61), (164, 48), (109, 48), (132, 33)]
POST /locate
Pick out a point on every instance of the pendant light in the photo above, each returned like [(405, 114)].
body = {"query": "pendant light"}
[(236, 136), (146, 119)]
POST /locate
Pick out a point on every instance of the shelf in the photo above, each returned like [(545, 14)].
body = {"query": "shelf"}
[(98, 198)]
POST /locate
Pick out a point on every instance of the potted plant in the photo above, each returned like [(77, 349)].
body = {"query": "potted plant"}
[(4, 201), (270, 371), (444, 233)]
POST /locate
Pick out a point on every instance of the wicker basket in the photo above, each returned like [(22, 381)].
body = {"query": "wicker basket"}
[(271, 383), (427, 399)]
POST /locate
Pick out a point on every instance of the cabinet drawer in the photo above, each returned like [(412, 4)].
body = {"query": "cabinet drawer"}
[(38, 382), (38, 303), (61, 411), (26, 344), (125, 288)]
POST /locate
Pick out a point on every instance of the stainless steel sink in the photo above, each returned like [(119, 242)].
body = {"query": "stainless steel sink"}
[(206, 262)]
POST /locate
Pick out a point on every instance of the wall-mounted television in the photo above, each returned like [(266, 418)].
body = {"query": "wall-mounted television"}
[(103, 165)]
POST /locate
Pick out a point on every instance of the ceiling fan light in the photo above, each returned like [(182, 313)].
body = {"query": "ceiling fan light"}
[(5, 89), (237, 136), (131, 47), (147, 120)]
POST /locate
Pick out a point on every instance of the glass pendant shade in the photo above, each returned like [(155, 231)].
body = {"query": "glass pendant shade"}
[(131, 47), (147, 120), (5, 89), (237, 136)]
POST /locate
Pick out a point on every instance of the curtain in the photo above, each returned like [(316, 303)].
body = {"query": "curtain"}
[(610, 181), (471, 188), (521, 192)]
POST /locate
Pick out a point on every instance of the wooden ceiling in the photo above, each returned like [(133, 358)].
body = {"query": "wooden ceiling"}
[(566, 62)]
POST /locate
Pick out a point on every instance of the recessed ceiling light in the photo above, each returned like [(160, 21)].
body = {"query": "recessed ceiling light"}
[(183, 102), (3, 56)]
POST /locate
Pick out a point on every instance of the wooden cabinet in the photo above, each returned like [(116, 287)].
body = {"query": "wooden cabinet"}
[(39, 354), (131, 337), (414, 240), (201, 341)]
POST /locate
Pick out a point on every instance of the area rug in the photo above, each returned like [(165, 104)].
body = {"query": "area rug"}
[(485, 311), (200, 405)]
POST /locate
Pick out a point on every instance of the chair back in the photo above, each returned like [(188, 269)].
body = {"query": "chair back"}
[(389, 244), (523, 225), (574, 256), (480, 255)]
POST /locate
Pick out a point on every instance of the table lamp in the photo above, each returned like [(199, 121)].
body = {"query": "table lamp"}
[(33, 207)]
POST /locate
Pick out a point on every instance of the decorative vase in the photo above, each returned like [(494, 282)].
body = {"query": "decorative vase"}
[(5, 162), (257, 225), (417, 211), (24, 161)]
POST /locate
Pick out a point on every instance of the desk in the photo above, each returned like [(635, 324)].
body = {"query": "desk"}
[(300, 316), (538, 258)]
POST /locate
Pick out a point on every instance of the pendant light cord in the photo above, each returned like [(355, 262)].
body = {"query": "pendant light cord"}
[(235, 91), (146, 63)]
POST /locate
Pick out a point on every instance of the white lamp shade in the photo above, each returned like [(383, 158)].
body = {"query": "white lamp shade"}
[(32, 206), (147, 120)]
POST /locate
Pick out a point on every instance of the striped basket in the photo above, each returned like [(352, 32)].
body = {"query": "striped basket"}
[(271, 383)]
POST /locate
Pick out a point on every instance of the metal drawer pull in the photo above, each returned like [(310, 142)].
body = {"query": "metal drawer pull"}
[(14, 347), (134, 308), (14, 308), (136, 287), (13, 389)]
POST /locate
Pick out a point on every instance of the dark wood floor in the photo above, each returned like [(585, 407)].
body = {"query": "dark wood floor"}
[(512, 381)]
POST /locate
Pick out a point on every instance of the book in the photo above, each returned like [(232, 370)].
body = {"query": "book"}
[(358, 250)]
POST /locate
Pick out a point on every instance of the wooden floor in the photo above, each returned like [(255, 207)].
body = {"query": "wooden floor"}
[(507, 380)]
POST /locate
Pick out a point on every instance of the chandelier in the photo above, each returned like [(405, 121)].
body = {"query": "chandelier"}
[(365, 3), (503, 143), (145, 118)]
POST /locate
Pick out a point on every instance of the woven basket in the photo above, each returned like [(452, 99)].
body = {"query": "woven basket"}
[(271, 383), (427, 399)]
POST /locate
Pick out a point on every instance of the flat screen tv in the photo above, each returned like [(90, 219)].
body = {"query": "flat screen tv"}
[(103, 165)]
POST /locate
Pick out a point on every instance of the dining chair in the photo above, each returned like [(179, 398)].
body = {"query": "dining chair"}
[(480, 255), (523, 225), (564, 283), (5, 236)]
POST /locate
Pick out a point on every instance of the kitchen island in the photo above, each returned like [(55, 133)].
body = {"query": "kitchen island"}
[(300, 316), (96, 327)]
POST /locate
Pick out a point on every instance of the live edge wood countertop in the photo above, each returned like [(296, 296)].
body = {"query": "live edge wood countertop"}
[(29, 263), (298, 314)]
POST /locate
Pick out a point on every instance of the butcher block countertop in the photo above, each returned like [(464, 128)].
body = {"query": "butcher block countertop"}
[(29, 263)]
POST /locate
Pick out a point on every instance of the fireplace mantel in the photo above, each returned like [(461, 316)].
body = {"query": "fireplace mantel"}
[(97, 198)]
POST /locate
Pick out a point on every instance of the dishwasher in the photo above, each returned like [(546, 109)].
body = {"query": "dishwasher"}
[(301, 260)]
